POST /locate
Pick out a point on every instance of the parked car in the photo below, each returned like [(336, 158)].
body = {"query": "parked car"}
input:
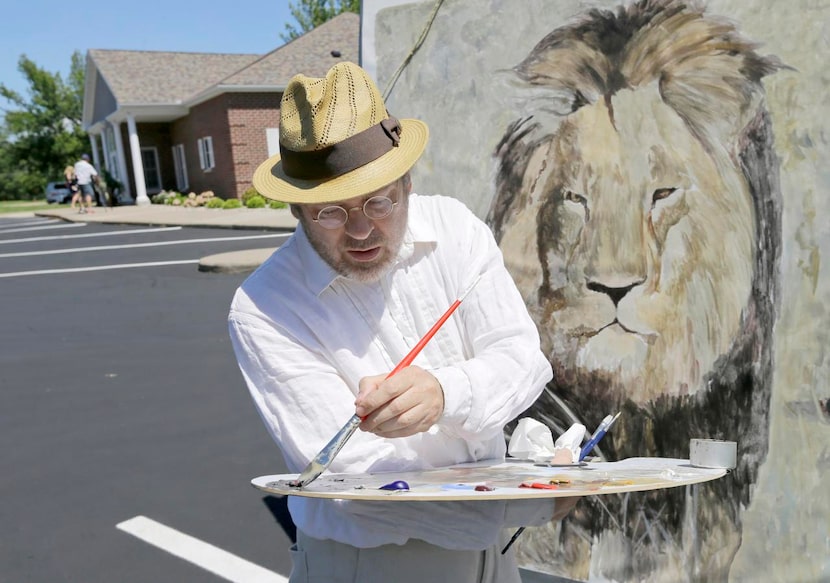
[(58, 192)]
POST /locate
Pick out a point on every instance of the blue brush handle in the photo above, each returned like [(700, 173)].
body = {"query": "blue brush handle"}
[(592, 443)]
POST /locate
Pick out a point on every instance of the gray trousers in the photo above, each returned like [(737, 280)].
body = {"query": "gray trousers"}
[(327, 561)]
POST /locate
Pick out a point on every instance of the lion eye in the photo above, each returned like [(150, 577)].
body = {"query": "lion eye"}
[(661, 194), (571, 196)]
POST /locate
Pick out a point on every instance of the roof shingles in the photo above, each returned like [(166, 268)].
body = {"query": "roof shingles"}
[(164, 78), (312, 54), (156, 78)]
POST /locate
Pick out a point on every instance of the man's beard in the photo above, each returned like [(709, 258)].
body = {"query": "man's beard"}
[(358, 271), (365, 272)]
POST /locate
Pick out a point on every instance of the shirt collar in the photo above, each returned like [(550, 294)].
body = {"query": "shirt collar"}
[(320, 275)]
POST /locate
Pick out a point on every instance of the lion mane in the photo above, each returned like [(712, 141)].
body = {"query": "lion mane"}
[(637, 205)]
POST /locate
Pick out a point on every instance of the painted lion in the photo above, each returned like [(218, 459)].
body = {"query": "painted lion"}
[(638, 209)]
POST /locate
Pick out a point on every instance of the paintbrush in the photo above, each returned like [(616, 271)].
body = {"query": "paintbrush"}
[(323, 459)]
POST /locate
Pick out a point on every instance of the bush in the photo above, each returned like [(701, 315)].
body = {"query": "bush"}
[(250, 199), (163, 196), (249, 194), (110, 181), (178, 199), (255, 202)]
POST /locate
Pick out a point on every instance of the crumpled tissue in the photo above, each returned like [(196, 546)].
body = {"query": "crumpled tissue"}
[(532, 440)]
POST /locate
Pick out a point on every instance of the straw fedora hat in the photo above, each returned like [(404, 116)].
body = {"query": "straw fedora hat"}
[(337, 140)]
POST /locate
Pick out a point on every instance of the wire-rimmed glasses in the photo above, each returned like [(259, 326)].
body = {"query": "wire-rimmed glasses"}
[(375, 208)]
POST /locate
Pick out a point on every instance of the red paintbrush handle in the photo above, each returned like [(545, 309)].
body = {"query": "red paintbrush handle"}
[(407, 360)]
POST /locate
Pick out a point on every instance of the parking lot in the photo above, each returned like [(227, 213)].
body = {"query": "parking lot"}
[(128, 437)]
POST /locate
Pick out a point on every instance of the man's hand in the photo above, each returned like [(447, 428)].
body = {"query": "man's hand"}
[(407, 403)]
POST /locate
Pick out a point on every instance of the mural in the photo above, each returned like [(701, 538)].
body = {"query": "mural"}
[(631, 163), (638, 208)]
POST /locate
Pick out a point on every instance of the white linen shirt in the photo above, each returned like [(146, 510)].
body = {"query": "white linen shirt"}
[(304, 336)]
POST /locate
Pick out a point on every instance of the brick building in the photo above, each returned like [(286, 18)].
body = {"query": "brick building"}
[(193, 122)]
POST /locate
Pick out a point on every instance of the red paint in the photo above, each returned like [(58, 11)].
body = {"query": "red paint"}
[(538, 486)]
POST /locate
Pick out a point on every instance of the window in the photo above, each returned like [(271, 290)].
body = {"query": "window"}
[(272, 138), (206, 153), (152, 176), (181, 168)]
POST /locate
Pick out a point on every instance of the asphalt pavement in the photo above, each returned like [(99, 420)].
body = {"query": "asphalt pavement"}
[(169, 215)]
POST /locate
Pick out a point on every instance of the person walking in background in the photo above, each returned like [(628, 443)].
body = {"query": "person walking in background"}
[(85, 174), (72, 185)]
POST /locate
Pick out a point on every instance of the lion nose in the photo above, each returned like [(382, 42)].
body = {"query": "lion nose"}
[(615, 293)]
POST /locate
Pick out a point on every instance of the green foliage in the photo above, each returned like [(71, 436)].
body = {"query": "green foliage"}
[(165, 197), (111, 182), (192, 199), (250, 199), (24, 206), (249, 194), (255, 202), (253, 199), (169, 197), (41, 134), (310, 14)]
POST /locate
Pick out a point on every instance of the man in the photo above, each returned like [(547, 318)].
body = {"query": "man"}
[(319, 325), (85, 173)]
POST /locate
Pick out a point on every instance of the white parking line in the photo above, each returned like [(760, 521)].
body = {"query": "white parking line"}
[(61, 226), (136, 245), (26, 223), (205, 555), (83, 235), (97, 268)]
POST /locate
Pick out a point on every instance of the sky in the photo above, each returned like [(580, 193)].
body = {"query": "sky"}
[(48, 32)]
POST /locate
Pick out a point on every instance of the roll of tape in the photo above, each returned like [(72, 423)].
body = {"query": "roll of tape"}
[(713, 453)]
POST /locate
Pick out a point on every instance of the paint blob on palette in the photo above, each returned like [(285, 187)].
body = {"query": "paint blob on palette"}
[(498, 480)]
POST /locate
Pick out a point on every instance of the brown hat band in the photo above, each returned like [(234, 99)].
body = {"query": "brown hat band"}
[(345, 156)]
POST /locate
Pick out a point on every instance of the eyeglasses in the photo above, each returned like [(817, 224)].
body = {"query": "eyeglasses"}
[(375, 208)]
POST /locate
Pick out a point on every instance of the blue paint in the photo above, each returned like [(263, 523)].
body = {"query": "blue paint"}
[(396, 485)]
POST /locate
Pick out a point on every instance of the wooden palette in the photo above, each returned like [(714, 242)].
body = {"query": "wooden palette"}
[(500, 480)]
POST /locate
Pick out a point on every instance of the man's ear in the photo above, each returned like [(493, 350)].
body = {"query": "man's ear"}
[(295, 210)]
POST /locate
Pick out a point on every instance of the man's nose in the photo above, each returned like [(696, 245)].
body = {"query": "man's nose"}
[(358, 225)]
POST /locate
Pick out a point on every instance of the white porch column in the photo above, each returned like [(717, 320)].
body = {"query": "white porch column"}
[(95, 158), (138, 165), (122, 160), (106, 147)]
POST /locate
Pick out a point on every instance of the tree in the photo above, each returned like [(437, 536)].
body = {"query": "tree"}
[(310, 14), (43, 133)]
